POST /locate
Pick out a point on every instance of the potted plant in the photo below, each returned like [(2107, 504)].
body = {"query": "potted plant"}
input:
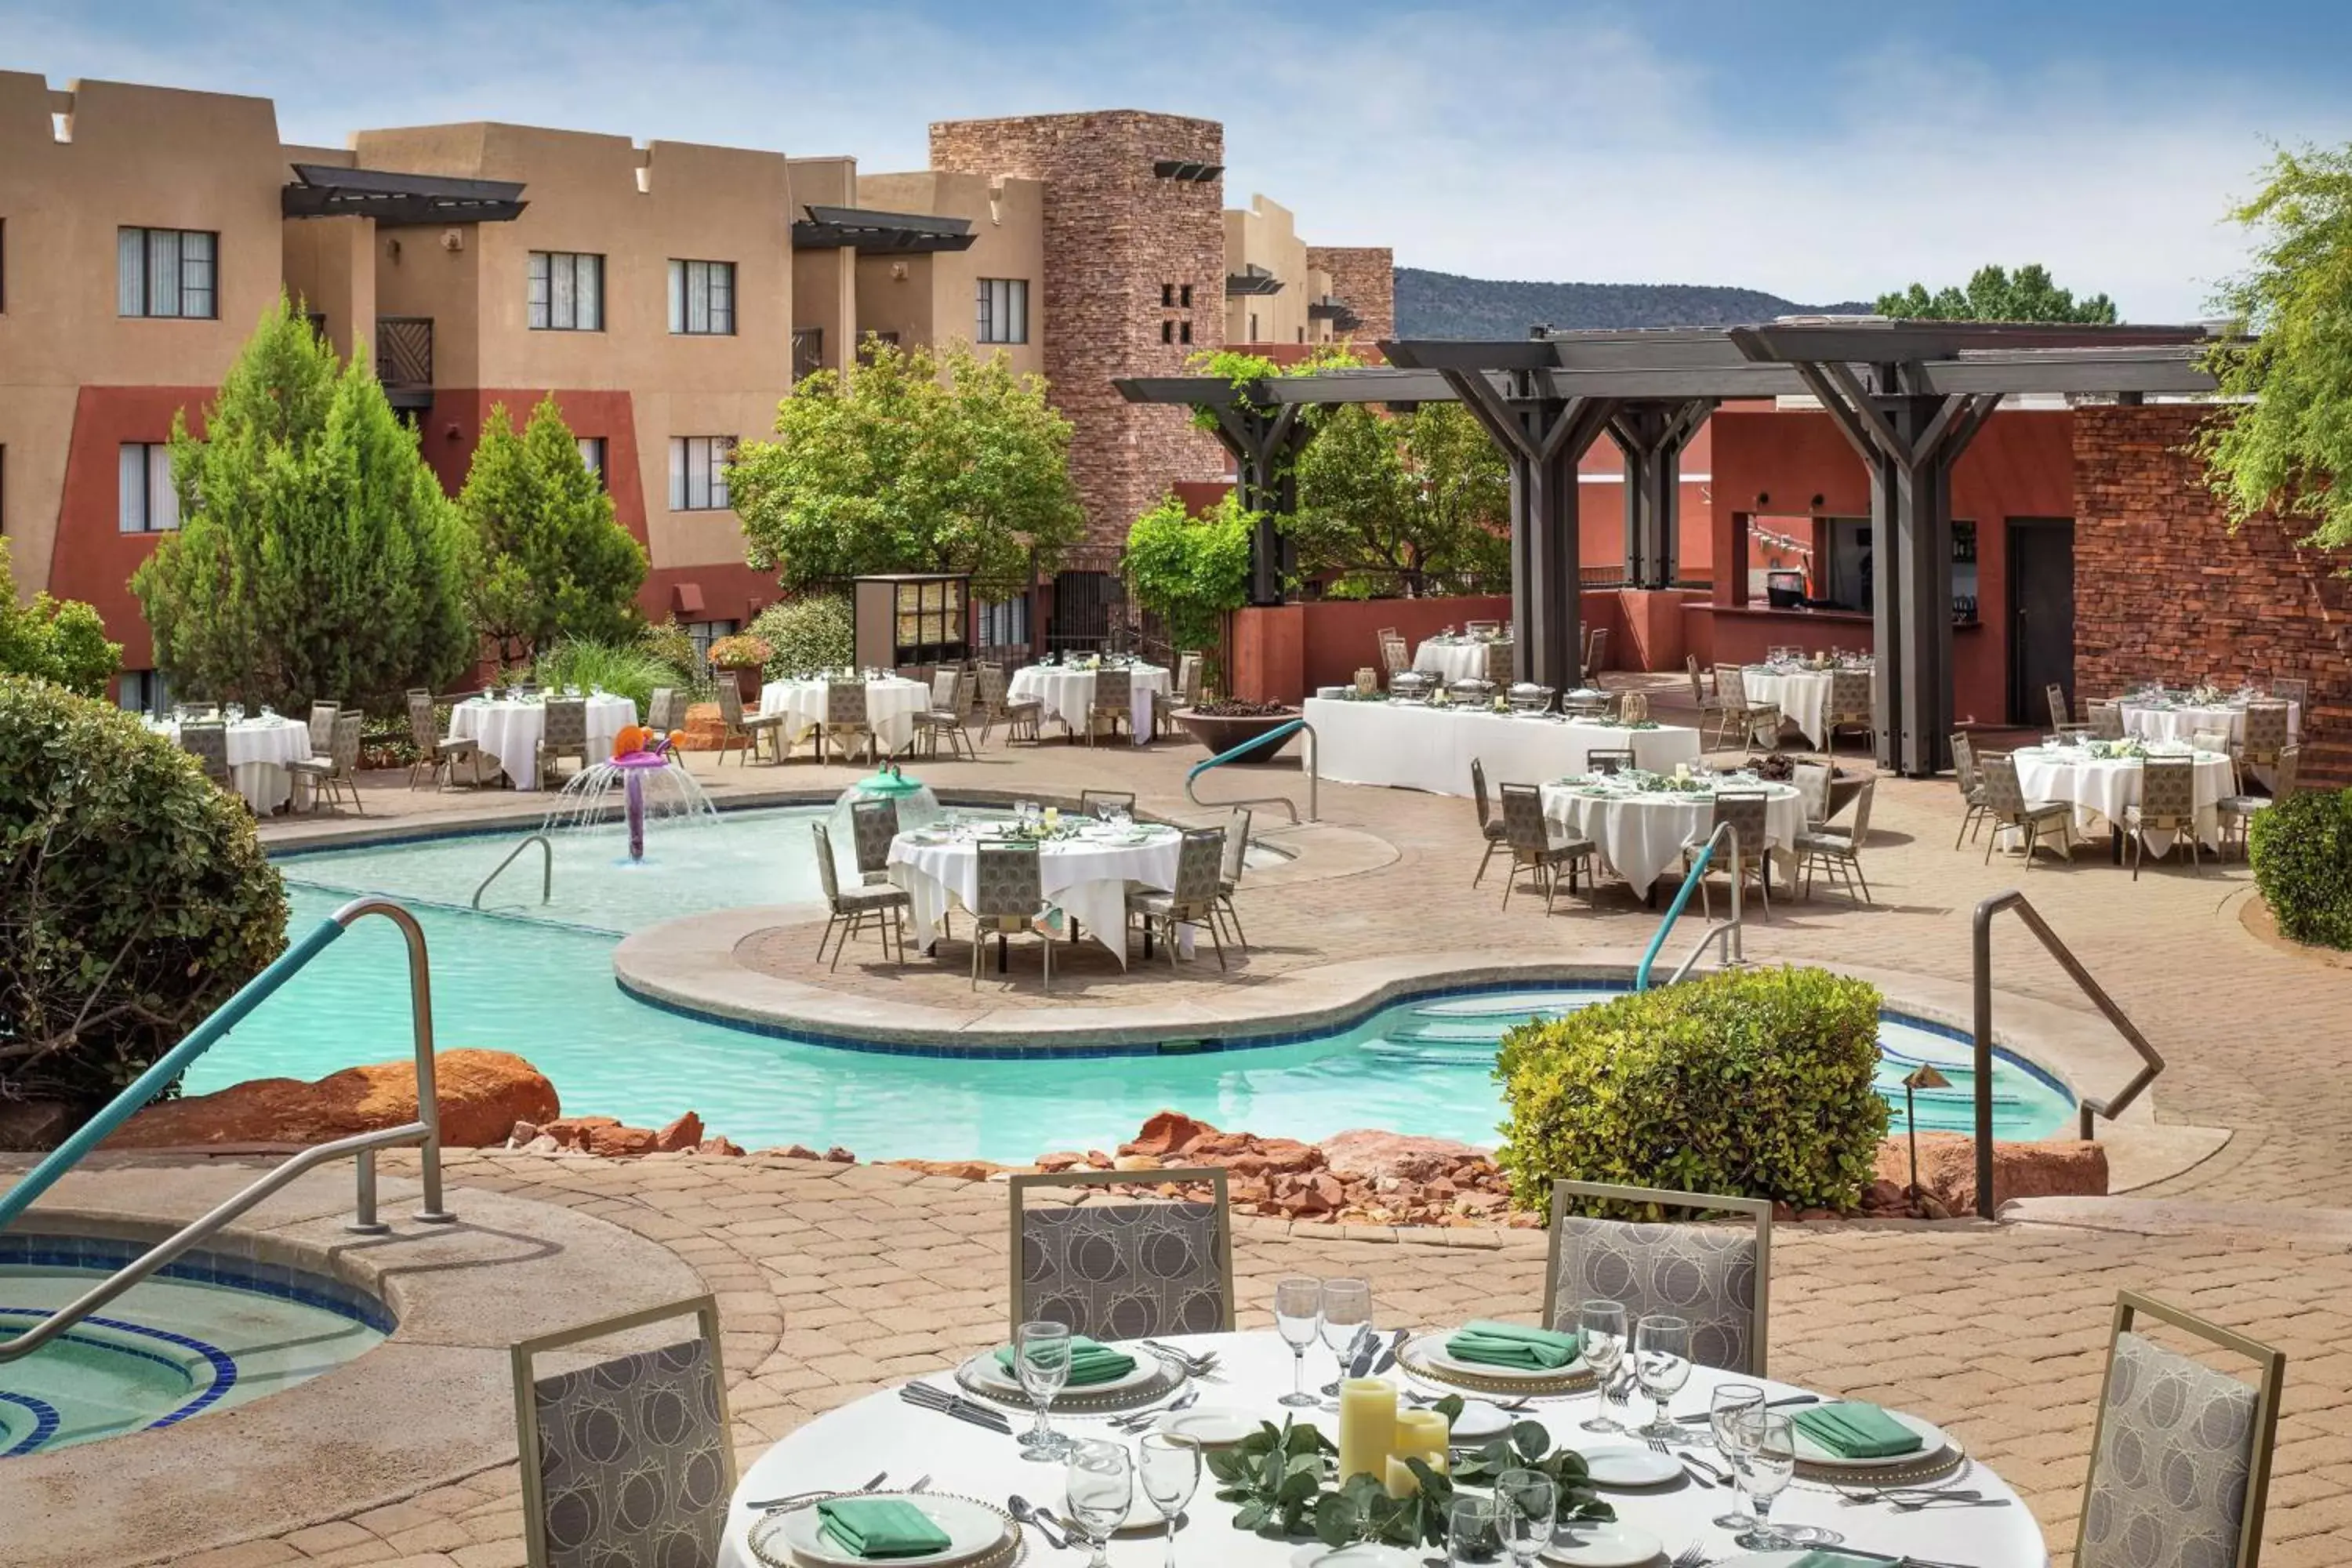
[(1222, 725), (743, 656)]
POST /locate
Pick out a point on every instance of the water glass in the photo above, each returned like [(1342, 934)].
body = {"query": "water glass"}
[(1527, 1502), (1662, 1366), (1729, 1409), (1298, 1318), (1766, 1463), (1474, 1533), (1169, 1468), (1601, 1334), (1041, 1355), (1346, 1312), (1101, 1490)]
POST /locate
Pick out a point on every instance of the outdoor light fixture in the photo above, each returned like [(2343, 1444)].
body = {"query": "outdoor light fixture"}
[(1924, 1076)]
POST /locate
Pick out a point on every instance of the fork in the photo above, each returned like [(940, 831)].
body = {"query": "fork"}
[(1138, 1420), (1692, 1556), (1658, 1445), (1193, 1366)]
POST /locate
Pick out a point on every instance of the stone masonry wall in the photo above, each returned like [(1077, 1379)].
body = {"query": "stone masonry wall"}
[(1365, 276), (2164, 590), (1116, 233)]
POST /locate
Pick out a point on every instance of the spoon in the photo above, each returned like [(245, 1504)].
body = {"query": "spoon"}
[(1027, 1514), (1142, 1418)]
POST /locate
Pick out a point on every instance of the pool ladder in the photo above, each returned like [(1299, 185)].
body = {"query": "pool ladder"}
[(425, 1131), (546, 869), (1314, 772), (1726, 931)]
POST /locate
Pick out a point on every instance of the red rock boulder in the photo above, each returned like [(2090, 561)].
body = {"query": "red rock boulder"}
[(2057, 1167), (482, 1094), (1366, 1151)]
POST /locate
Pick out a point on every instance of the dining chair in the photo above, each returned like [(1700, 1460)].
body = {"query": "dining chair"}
[(1116, 1267), (323, 726), (563, 733), (2180, 1457), (1019, 717), (2005, 805), (2106, 721), (950, 697), (666, 710), (1750, 817), (1230, 867), (2059, 718), (2166, 804), (1839, 850), (1528, 835), (336, 771), (2238, 811), (1609, 760), (2292, 688), (1717, 1278), (872, 824), (1490, 826), (1396, 655), (208, 743), (1596, 655), (1737, 714), (1009, 896), (849, 911), (1113, 705), (1191, 670), (437, 755), (1851, 707), (1200, 860), (1501, 664), (2267, 734), (627, 1459), (1966, 773), (1095, 802), (846, 714), (1708, 704)]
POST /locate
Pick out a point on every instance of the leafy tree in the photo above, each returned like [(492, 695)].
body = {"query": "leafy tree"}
[(1194, 571), (58, 640), (1414, 495), (910, 462), (2287, 446), (541, 556), (1993, 294), (316, 558)]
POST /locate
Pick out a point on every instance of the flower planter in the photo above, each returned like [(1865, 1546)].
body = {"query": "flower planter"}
[(1222, 734)]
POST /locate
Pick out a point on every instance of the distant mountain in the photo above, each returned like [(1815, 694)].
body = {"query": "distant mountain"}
[(1446, 305)]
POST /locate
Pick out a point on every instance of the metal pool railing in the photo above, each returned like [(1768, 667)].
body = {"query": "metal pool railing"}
[(1726, 931), (1314, 772), (546, 869)]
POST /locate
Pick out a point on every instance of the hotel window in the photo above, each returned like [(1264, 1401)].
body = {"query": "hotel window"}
[(143, 691), (702, 298), (1004, 311), (808, 354), (567, 292), (1184, 296), (592, 455), (1252, 316), (145, 502), (164, 272), (1166, 331), (698, 472), (1167, 296), (705, 633), (1183, 332)]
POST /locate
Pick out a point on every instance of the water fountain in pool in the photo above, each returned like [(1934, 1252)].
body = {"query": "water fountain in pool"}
[(652, 785)]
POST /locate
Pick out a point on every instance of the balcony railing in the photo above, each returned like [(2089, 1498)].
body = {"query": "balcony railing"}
[(403, 359)]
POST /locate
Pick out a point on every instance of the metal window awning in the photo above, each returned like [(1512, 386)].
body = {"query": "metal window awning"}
[(394, 198), (1191, 173), (1332, 309), (1252, 280), (895, 234)]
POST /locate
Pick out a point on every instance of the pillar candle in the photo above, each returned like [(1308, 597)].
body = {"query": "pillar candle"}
[(1368, 1416), (1420, 1435)]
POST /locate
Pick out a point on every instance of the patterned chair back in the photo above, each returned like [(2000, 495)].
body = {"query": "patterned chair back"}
[(1698, 686), (627, 1460), (1727, 684), (2290, 688), (844, 703), (730, 701), (1115, 692), (1964, 763), (1607, 762), (1188, 680), (1502, 662), (1237, 826), (1850, 700), (2106, 721), (1524, 827), (208, 743), (1395, 657), (1011, 882), (420, 723), (2059, 718), (1123, 1269), (2168, 792), (827, 871), (323, 726), (344, 745), (1813, 782), (872, 824), (1745, 810), (567, 725), (946, 686), (1861, 808), (1596, 651), (1715, 1277), (2004, 796), (2265, 731), (663, 709), (1199, 860), (992, 689), (1095, 802), (1478, 792), (2180, 1459), (2282, 778)]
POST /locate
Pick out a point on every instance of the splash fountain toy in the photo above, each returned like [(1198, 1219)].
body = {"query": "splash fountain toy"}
[(653, 784)]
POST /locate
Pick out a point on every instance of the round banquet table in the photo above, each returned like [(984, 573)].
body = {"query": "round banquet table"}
[(509, 730), (845, 1446), (2101, 789), (258, 751), (2181, 722), (1802, 695), (1067, 695), (891, 704), (1086, 878), (1457, 661), (1642, 835)]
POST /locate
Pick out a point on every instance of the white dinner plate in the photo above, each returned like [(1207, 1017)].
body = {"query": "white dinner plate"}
[(1932, 1441), (1630, 1467), (999, 1384), (1481, 1422), (1142, 1518), (1211, 1425), (1600, 1546), (972, 1531), (1361, 1555), (1430, 1350)]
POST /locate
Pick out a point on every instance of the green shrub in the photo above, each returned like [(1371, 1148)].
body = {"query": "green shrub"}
[(61, 640), (2302, 851), (134, 897), (1753, 1083), (816, 631), (625, 670), (668, 642)]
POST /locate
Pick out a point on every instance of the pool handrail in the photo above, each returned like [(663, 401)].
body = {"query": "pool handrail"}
[(1314, 772), (2088, 1109), (426, 1130), (546, 869), (1725, 931)]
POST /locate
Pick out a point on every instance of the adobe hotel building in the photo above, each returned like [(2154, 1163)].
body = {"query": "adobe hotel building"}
[(668, 295)]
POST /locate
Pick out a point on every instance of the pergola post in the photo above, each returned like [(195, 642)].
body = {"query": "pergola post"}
[(1265, 444), (1651, 437)]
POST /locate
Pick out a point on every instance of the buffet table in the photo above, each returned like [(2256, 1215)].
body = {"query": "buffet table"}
[(1408, 745)]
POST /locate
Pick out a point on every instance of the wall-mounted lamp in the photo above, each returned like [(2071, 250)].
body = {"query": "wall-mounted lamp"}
[(1763, 497)]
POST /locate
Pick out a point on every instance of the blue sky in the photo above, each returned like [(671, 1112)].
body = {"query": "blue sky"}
[(1823, 150)]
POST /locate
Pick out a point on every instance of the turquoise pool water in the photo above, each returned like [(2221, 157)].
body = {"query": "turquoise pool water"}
[(546, 992)]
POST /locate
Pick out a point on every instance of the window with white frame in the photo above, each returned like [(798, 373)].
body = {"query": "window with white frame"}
[(591, 457), (567, 291), (698, 472), (1004, 311), (143, 691), (165, 273), (705, 633), (702, 298), (145, 502)]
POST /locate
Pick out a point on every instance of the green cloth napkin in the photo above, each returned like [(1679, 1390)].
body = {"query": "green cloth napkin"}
[(1852, 1430), (1513, 1345), (1090, 1362), (881, 1527)]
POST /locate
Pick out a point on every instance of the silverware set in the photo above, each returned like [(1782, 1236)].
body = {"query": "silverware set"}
[(1516, 1406), (1038, 1519), (1699, 1417), (1705, 1472), (790, 1500), (1200, 1366), (1134, 1421), (1911, 1499), (923, 1396)]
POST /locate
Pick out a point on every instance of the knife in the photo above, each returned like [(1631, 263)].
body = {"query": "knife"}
[(1388, 1356), (1365, 1349), (1781, 1404), (955, 1405)]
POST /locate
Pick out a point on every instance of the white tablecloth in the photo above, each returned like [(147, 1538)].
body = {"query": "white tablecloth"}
[(1067, 695), (2182, 723), (891, 704), (1409, 746), (1457, 661), (2101, 790), (845, 1446), (258, 751), (510, 731), (1642, 836), (1801, 695), (1085, 878)]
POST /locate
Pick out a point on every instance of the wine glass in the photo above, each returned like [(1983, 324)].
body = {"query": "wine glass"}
[(1474, 1533), (1169, 1467), (1661, 1365), (1346, 1312), (1527, 1501), (1727, 1411), (1298, 1318), (1041, 1355), (1101, 1490), (1601, 1334), (1767, 1462)]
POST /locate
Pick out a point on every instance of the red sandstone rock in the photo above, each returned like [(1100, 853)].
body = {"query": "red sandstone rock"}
[(840, 1156), (2055, 1168), (963, 1169), (1368, 1152), (1065, 1161), (1135, 1163), (724, 1146), (683, 1133), (795, 1151), (481, 1094), (1167, 1132)]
